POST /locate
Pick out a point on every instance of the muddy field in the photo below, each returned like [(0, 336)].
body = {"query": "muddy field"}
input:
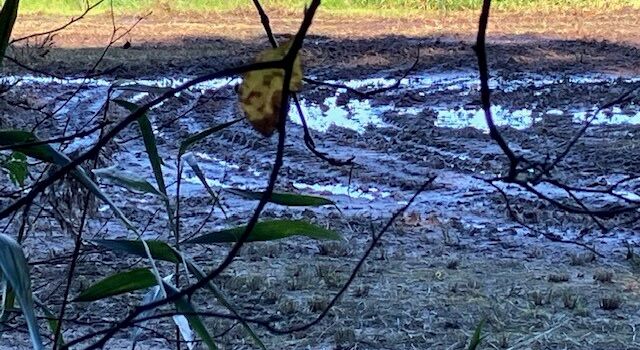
[(457, 256)]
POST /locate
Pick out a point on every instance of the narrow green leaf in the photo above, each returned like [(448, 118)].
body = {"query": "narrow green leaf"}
[(159, 250), (16, 272), (119, 283), (128, 181), (185, 307), (46, 153), (477, 337), (268, 231), (150, 144), (8, 16), (151, 147), (283, 198), (193, 139)]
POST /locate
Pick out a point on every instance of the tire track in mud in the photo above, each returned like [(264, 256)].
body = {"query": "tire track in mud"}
[(426, 126)]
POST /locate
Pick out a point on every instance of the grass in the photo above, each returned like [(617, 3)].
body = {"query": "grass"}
[(68, 7)]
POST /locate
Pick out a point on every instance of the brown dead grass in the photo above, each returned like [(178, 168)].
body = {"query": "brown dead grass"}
[(619, 26)]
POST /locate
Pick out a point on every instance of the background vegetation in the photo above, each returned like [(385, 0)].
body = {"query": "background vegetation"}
[(124, 6)]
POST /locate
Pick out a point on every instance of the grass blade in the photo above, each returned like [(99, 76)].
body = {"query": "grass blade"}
[(16, 139), (119, 283), (193, 139), (268, 231), (128, 181), (283, 198), (477, 337), (46, 153), (8, 16), (16, 272), (151, 147), (150, 89)]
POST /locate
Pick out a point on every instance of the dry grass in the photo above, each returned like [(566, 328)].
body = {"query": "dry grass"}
[(397, 299)]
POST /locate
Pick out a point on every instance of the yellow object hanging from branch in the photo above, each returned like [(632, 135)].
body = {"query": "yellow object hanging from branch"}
[(261, 90)]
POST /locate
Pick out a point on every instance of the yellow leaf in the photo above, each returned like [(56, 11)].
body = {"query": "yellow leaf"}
[(261, 90)]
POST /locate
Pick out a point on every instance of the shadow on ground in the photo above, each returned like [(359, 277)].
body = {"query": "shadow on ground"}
[(340, 58)]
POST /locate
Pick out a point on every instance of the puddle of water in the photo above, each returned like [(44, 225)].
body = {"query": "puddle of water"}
[(615, 116), (25, 80), (342, 190), (475, 118), (358, 115)]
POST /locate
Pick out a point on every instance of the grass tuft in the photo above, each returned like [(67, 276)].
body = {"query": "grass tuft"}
[(610, 303), (603, 276)]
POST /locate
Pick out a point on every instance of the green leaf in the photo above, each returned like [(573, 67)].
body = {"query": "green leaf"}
[(193, 139), (16, 272), (119, 283), (16, 140), (268, 231), (151, 147), (128, 181), (477, 337), (185, 307), (8, 16), (283, 198), (150, 144), (46, 153), (16, 165), (159, 250)]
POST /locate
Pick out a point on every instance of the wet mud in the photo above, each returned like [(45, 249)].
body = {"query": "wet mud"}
[(455, 257)]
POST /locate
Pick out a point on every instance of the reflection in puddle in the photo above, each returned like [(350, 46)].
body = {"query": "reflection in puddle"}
[(474, 118)]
